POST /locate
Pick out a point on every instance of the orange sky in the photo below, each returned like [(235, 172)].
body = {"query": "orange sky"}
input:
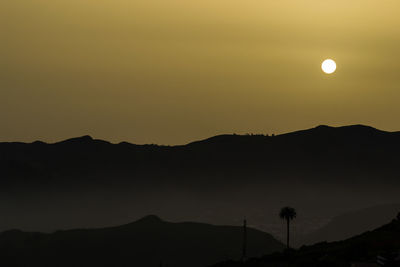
[(173, 71)]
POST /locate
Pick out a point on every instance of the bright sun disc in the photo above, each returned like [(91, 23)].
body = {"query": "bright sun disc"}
[(328, 66)]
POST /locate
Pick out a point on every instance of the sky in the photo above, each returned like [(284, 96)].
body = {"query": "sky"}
[(175, 71)]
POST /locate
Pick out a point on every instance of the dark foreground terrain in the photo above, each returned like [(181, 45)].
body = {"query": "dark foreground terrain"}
[(381, 244), (147, 242)]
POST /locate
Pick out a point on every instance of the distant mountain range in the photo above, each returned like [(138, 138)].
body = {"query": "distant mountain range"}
[(324, 154), (322, 148), (147, 242), (85, 182)]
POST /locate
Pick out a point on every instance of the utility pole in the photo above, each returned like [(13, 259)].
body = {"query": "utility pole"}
[(244, 252)]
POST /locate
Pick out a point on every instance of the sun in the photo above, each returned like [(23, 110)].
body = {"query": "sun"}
[(328, 66)]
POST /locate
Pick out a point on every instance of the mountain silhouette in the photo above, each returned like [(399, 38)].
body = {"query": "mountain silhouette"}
[(86, 139), (343, 147), (86, 182), (146, 242)]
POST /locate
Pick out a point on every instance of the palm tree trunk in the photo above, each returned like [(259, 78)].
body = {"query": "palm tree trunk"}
[(287, 239)]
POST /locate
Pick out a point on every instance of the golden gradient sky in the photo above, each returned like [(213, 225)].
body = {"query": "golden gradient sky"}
[(173, 71)]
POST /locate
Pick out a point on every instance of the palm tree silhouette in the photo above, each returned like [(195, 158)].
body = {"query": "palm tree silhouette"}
[(288, 214)]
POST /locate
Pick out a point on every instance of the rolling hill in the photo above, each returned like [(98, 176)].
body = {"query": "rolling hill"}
[(145, 243)]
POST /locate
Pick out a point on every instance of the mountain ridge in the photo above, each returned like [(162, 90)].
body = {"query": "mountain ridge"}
[(350, 129)]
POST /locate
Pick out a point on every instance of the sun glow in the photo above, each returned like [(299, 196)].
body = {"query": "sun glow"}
[(328, 66)]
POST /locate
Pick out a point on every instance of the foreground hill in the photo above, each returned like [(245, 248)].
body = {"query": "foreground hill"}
[(145, 242), (383, 241)]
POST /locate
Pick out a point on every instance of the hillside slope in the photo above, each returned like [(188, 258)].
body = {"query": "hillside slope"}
[(383, 241), (354, 222), (145, 242)]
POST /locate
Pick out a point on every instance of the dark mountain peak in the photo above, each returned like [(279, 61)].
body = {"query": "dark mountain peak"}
[(323, 127), (359, 128), (356, 128), (38, 143), (150, 219), (78, 140)]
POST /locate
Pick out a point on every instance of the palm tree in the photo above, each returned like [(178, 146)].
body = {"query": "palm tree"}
[(288, 214)]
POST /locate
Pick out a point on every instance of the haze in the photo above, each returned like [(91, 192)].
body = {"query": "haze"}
[(170, 72)]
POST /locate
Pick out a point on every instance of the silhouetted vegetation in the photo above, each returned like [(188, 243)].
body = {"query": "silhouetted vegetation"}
[(288, 214)]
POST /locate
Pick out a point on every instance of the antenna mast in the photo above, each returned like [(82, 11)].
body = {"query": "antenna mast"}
[(244, 252)]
